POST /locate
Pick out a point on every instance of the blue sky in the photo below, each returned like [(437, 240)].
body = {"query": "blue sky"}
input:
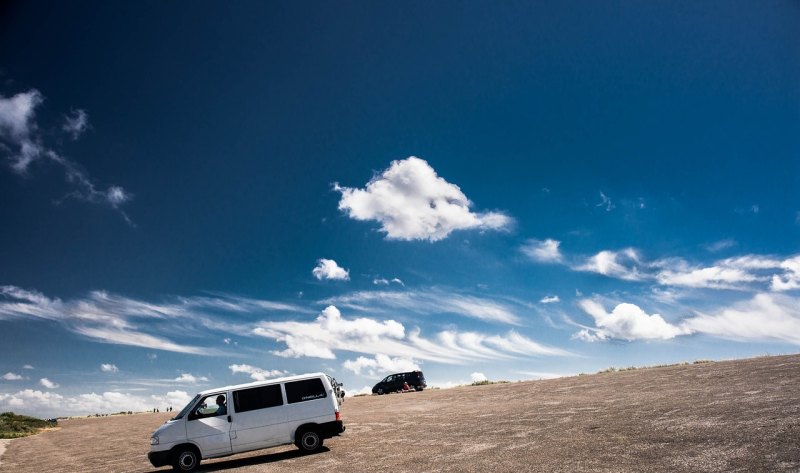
[(193, 197)]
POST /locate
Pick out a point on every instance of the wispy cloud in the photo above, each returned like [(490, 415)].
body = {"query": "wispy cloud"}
[(189, 378), (110, 318), (330, 332), (109, 368), (411, 202), (24, 144), (549, 300), (606, 204), (329, 270), (543, 251), (429, 302), (76, 123), (258, 374), (623, 264)]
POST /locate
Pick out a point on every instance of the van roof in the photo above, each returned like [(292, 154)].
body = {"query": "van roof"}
[(261, 383)]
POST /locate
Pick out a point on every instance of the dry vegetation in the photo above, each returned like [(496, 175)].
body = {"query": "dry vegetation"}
[(723, 416)]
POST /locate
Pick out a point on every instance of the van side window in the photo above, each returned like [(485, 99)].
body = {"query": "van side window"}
[(257, 398), (305, 390)]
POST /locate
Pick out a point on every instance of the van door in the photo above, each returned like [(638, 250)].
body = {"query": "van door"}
[(207, 426), (258, 418)]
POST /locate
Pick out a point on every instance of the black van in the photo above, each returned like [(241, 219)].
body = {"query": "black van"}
[(394, 382)]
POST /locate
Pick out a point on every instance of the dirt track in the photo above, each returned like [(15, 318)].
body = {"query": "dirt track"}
[(725, 416)]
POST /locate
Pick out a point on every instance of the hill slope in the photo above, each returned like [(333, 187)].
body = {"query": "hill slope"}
[(725, 416)]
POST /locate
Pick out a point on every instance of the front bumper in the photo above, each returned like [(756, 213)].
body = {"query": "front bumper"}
[(158, 459)]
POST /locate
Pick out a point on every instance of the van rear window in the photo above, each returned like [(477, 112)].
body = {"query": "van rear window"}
[(257, 398), (305, 390)]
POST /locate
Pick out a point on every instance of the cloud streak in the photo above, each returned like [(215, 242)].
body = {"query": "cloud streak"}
[(24, 145)]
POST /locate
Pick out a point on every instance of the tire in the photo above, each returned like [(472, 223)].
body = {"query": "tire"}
[(309, 441), (380, 391), (419, 388), (185, 459)]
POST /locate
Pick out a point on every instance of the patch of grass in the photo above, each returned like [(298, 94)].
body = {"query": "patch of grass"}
[(633, 368), (14, 426), (486, 382)]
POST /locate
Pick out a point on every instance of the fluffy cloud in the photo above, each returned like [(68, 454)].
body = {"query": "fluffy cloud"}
[(50, 404), (543, 251), (331, 332), (550, 299), (411, 202), (12, 376), (380, 364), (48, 384), (108, 368), (328, 269), (627, 322), (478, 377), (189, 378), (255, 373)]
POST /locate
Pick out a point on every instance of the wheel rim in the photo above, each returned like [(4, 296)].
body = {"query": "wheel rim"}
[(310, 441), (186, 460)]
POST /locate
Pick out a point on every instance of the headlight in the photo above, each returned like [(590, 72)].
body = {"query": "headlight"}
[(154, 440)]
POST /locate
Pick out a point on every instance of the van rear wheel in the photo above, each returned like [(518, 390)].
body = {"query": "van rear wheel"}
[(309, 441), (185, 459)]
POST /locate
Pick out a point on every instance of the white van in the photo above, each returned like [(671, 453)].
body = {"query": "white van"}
[(302, 410)]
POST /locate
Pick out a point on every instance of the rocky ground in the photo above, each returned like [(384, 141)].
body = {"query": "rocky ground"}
[(723, 416)]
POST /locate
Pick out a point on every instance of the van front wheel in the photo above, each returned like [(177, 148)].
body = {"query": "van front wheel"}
[(186, 459), (309, 441)]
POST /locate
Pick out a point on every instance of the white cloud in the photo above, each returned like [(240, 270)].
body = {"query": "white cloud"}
[(381, 364), (606, 203), (398, 281), (109, 368), (380, 282), (328, 269), (114, 319), (618, 264), (331, 332), (12, 376), (19, 132), (590, 336), (48, 384), (17, 127), (50, 404), (76, 123), (550, 299), (411, 202), (721, 245), (773, 317), (28, 367), (712, 277), (543, 251), (429, 302), (627, 322), (478, 377), (258, 374), (366, 390), (190, 378)]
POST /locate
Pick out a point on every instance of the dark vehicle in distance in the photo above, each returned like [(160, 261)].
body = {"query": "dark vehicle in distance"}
[(395, 382)]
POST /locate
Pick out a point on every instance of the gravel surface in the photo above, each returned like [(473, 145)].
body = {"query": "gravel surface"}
[(724, 416)]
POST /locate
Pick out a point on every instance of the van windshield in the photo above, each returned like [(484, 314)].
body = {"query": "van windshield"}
[(186, 409)]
